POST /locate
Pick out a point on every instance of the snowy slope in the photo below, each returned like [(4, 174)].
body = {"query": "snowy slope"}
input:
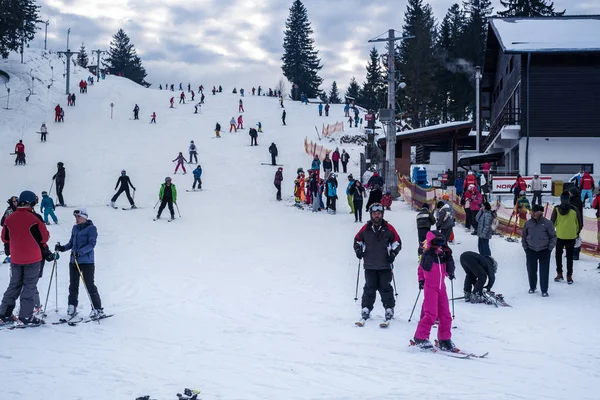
[(248, 298)]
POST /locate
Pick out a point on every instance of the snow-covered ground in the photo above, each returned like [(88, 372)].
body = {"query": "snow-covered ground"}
[(244, 297)]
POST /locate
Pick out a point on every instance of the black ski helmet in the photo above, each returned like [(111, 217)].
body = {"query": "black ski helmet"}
[(60, 164), (123, 172)]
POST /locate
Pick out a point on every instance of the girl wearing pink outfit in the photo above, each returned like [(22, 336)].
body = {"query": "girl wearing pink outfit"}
[(436, 263), (180, 163)]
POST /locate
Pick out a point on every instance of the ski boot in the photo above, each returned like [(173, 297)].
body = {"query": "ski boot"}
[(467, 297), (544, 294), (477, 298), (71, 310), (531, 291), (389, 313), (569, 279), (31, 321), (6, 319), (97, 313), (559, 278), (133, 206), (423, 344), (447, 345), (365, 313)]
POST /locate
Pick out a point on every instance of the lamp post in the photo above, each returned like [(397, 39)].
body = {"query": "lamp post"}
[(68, 33), (478, 77)]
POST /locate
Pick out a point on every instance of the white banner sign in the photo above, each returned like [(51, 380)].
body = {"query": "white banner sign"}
[(502, 184)]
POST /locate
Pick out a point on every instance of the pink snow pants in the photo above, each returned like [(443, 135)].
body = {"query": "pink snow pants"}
[(435, 306), (182, 167)]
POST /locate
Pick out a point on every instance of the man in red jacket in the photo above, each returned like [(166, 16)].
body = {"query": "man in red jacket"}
[(471, 179), (57, 113), (23, 235), (586, 185)]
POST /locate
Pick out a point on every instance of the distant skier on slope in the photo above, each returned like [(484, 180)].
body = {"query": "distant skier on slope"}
[(197, 175), (123, 183), (277, 182), (218, 130), (274, 153), (59, 178), (193, 152), (167, 196), (180, 162)]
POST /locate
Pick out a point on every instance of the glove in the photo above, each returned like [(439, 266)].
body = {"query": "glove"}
[(58, 247), (451, 276), (76, 254), (134, 189), (359, 253), (391, 257), (49, 257), (421, 285), (7, 249)]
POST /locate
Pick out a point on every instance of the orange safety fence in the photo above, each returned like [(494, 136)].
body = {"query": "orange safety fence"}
[(330, 129), (312, 149), (509, 223)]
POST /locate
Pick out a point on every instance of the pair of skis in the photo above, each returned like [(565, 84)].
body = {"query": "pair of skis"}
[(436, 349), (383, 324), (74, 321), (496, 299)]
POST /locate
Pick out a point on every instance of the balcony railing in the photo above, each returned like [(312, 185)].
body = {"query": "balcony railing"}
[(508, 116)]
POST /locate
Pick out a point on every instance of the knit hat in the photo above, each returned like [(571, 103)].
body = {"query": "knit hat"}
[(537, 207), (565, 197)]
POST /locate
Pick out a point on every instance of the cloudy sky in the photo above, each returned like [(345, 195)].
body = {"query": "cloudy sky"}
[(235, 42)]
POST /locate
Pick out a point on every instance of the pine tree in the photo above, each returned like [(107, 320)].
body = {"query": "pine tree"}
[(477, 13), (353, 90), (17, 24), (529, 8), (371, 94), (323, 97), (124, 60), (334, 94), (300, 60), (417, 63), (82, 58)]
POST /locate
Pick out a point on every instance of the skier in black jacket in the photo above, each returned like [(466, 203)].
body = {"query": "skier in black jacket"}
[(274, 153), (379, 244), (478, 269), (59, 177), (424, 222), (125, 182)]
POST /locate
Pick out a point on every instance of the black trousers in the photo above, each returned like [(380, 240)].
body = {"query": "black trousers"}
[(533, 257), (378, 280), (569, 246), (422, 232), (44, 136), (344, 166), (253, 141), (330, 203), (537, 195), (60, 185), (198, 181), (469, 218), (163, 203), (474, 279), (194, 155), (278, 186), (273, 161), (87, 270), (121, 190), (358, 210), (336, 166), (135, 115)]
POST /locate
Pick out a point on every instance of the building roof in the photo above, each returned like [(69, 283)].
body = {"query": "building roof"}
[(430, 134), (548, 34)]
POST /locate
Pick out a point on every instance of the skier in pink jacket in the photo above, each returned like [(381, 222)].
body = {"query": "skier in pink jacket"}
[(436, 263)]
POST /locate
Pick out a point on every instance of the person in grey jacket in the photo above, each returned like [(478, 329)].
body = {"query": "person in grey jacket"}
[(445, 222), (485, 219), (536, 188), (538, 240), (82, 244)]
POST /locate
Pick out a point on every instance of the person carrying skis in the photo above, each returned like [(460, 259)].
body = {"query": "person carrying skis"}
[(241, 106), (59, 178), (218, 130), (478, 268), (193, 152), (23, 233), (253, 136), (47, 207), (20, 152), (232, 125), (425, 221), (274, 153), (153, 120), (136, 112), (123, 183), (283, 115), (43, 131), (197, 174), (180, 163), (436, 263), (378, 243), (84, 236), (167, 196), (277, 182)]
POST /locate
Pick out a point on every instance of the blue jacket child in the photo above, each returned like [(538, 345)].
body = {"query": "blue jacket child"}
[(47, 207)]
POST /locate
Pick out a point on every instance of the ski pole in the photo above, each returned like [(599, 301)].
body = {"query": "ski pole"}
[(51, 185), (394, 281), (156, 204), (84, 285), (178, 210), (357, 278), (415, 306), (452, 293), (56, 284), (49, 287)]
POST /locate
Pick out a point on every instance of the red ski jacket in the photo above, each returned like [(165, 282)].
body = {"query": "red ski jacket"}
[(586, 182), (24, 232), (20, 148)]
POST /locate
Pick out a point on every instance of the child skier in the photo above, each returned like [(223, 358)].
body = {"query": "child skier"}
[(218, 130), (386, 200), (47, 207), (197, 174), (232, 125), (436, 263), (180, 163), (153, 120)]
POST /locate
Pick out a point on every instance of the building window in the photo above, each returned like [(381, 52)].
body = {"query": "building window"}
[(565, 169), (511, 64)]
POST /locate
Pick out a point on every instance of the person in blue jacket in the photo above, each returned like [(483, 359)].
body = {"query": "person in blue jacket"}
[(316, 164), (47, 207), (197, 174), (349, 193), (82, 243), (320, 109), (332, 185)]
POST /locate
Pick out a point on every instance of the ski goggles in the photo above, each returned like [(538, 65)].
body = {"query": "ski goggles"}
[(376, 208), (438, 242)]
